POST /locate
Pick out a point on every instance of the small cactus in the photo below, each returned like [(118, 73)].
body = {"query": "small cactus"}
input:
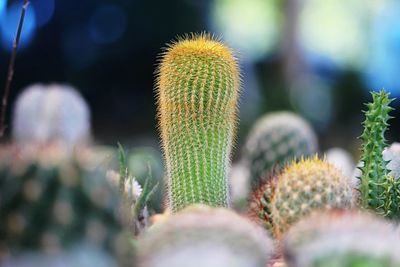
[(51, 202), (201, 236), (301, 188), (379, 191), (275, 140), (197, 93), (342, 238), (53, 113)]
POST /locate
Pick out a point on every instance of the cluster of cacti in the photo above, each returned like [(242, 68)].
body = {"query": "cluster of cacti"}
[(53, 113), (340, 238), (379, 190), (50, 203), (201, 236), (197, 93), (275, 140), (302, 187)]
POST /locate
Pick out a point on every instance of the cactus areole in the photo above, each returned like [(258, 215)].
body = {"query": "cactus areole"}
[(197, 93)]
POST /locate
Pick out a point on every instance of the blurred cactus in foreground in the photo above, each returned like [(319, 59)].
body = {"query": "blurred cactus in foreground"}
[(197, 94), (379, 190), (50, 203), (54, 113), (340, 238), (301, 188), (201, 236), (275, 140)]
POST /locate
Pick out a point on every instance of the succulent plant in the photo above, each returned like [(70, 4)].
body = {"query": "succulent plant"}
[(50, 202), (379, 191), (53, 113), (197, 93), (275, 140), (391, 155), (201, 236), (342, 238), (302, 187)]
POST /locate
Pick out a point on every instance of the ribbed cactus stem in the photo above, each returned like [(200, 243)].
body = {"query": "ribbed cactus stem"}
[(198, 87), (374, 172)]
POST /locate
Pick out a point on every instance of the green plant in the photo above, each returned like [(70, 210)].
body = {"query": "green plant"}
[(197, 93), (301, 188), (201, 236), (379, 191), (342, 238), (275, 140), (51, 202)]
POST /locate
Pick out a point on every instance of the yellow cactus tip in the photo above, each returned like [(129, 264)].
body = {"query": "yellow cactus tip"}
[(201, 44)]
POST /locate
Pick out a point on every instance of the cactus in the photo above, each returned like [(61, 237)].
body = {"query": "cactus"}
[(49, 202), (201, 236), (301, 188), (275, 140), (392, 156), (379, 191), (197, 93), (342, 238), (53, 113)]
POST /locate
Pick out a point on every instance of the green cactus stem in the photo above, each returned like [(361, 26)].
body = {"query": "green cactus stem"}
[(197, 91)]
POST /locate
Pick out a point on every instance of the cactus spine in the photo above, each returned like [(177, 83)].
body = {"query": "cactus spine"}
[(379, 190), (197, 91), (301, 188), (201, 236), (342, 238)]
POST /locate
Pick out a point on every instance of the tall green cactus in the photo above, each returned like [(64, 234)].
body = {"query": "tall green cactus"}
[(197, 91), (379, 191)]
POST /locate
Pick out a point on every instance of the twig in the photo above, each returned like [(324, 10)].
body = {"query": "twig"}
[(10, 73)]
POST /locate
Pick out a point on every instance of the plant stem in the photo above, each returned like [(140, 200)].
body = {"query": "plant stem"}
[(10, 73)]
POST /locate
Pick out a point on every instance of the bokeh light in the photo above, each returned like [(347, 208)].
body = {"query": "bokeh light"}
[(9, 23), (383, 67), (334, 30), (250, 26), (108, 24), (44, 10)]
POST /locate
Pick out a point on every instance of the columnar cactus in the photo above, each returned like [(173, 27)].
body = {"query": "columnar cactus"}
[(201, 236), (53, 113), (51, 203), (379, 190), (275, 140), (197, 91), (342, 238), (301, 188)]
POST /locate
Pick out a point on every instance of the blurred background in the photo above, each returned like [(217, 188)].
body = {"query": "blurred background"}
[(317, 58)]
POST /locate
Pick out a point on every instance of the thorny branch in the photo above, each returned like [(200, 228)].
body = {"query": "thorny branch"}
[(10, 73)]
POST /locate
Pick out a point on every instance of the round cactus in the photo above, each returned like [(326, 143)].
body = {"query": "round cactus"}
[(53, 113), (301, 188), (201, 236), (197, 91), (342, 238), (49, 202), (276, 139)]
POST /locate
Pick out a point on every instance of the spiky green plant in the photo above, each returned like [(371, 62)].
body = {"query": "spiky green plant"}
[(342, 238), (379, 190), (275, 140), (51, 202), (301, 188), (201, 236), (197, 92)]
